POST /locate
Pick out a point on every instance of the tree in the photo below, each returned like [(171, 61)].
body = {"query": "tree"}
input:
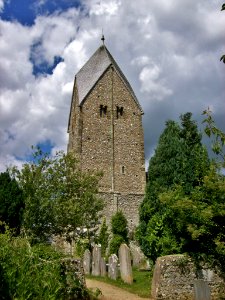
[(199, 219), (59, 198), (11, 202), (119, 230), (179, 160), (103, 237), (218, 143)]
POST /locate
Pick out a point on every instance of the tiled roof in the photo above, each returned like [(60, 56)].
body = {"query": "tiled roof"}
[(90, 73)]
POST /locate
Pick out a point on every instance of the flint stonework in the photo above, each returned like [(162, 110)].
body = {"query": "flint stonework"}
[(87, 262), (125, 264), (105, 132), (96, 260), (176, 277), (113, 267)]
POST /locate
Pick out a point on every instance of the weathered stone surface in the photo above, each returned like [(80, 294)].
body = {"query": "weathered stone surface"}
[(128, 204), (175, 276), (113, 267), (103, 267), (201, 290), (87, 262), (138, 258), (112, 140), (125, 264), (96, 260)]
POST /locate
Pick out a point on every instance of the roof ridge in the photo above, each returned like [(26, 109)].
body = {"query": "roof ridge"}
[(94, 68), (123, 77)]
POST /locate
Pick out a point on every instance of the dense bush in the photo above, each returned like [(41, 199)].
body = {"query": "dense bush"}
[(120, 232), (34, 272)]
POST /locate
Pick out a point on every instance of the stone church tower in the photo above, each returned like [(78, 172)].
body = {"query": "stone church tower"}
[(105, 131)]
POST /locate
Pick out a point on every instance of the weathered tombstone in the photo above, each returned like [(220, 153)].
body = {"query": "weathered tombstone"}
[(201, 290), (87, 262), (103, 267), (125, 264), (113, 267), (96, 259), (138, 258)]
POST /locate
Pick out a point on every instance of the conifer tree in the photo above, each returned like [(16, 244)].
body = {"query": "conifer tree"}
[(179, 160)]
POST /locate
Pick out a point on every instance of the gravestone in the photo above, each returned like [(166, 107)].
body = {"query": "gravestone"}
[(201, 290), (103, 267), (87, 262), (113, 267), (96, 260), (125, 264)]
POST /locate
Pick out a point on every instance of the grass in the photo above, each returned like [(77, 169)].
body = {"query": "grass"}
[(141, 285)]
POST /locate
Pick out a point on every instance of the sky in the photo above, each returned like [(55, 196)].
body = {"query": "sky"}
[(168, 50)]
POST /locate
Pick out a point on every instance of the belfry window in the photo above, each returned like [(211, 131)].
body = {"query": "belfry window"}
[(119, 111), (103, 110)]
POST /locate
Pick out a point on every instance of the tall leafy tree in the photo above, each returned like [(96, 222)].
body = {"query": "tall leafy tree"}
[(59, 198), (179, 159), (11, 202)]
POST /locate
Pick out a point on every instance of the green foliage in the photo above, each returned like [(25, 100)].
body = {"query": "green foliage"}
[(218, 142), (59, 198), (179, 160), (11, 202), (115, 243), (119, 225), (35, 272), (103, 237), (120, 232), (199, 219)]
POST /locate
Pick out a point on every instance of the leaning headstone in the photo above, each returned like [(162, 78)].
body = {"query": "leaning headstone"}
[(103, 267), (96, 260), (201, 290), (113, 267), (87, 262), (125, 264)]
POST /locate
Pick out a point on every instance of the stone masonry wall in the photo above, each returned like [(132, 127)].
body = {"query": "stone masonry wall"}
[(111, 142), (128, 204), (175, 278)]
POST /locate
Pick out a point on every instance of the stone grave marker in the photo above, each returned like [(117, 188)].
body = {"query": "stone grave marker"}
[(87, 262), (201, 290), (125, 264), (96, 260), (103, 267), (113, 267)]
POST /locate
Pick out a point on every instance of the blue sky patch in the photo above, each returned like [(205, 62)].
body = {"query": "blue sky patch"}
[(25, 11), (45, 147)]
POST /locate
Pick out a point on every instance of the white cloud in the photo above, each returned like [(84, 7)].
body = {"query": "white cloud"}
[(99, 8), (169, 50), (152, 84)]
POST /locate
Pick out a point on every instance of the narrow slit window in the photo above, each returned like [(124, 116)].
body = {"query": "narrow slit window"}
[(103, 110), (119, 111), (123, 170)]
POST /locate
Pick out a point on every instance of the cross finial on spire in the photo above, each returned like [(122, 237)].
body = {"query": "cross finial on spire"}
[(103, 39)]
